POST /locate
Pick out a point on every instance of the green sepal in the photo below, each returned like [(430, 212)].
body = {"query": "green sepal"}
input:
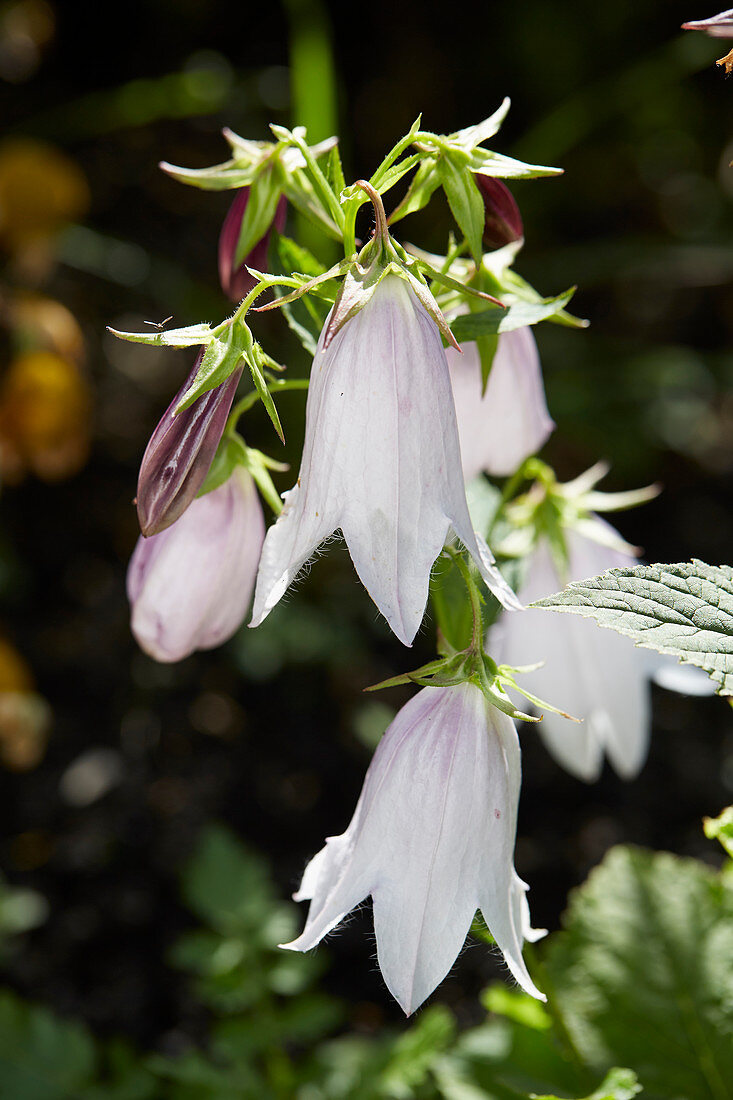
[(192, 335), (464, 199), (229, 454), (259, 213), (219, 177), (486, 163), (517, 314), (388, 164), (259, 466), (425, 181), (335, 171), (221, 358), (255, 362), (506, 674)]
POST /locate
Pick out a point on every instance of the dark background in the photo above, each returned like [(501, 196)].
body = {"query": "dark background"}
[(270, 733)]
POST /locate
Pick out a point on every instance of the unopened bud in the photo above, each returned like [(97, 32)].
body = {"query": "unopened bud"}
[(180, 452), (236, 282), (503, 221)]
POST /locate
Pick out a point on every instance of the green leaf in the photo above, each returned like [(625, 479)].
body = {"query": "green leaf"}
[(642, 974), (618, 1084), (174, 337), (464, 199), (485, 322), (685, 610), (41, 1056), (414, 1053), (221, 358)]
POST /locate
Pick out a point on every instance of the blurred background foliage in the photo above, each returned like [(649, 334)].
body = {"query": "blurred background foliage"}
[(113, 765)]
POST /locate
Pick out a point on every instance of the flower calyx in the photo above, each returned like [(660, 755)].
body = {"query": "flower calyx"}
[(549, 509), (451, 161), (288, 166), (476, 667)]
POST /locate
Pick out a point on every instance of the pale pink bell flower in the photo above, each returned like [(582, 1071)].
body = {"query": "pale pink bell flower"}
[(504, 425), (432, 841), (190, 586), (596, 675), (381, 461)]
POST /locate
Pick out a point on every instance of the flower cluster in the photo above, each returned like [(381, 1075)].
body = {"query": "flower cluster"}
[(404, 408)]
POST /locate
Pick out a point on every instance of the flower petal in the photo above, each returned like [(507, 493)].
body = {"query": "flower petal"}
[(190, 585), (507, 423)]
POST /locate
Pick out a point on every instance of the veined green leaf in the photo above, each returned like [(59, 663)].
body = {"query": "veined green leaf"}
[(685, 610), (642, 973)]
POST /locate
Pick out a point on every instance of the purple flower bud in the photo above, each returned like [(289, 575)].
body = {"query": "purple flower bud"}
[(191, 585), (180, 452), (236, 282), (503, 221)]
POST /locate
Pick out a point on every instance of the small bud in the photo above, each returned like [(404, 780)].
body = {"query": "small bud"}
[(503, 221), (180, 452), (236, 282)]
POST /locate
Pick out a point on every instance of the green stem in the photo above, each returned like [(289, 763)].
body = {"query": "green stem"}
[(477, 634)]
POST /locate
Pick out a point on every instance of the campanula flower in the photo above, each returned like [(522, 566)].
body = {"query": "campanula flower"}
[(432, 841), (180, 452), (381, 461), (510, 421), (190, 586), (595, 674)]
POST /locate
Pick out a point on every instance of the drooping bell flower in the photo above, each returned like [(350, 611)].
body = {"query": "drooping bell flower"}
[(597, 675), (381, 461), (180, 452), (432, 841), (509, 421), (190, 586), (236, 281), (503, 222)]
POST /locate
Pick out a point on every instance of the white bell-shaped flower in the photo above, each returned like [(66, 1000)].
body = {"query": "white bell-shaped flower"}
[(594, 674), (507, 423), (190, 586), (381, 461), (432, 841)]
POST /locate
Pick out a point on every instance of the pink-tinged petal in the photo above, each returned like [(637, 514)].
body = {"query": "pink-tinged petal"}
[(717, 26), (431, 840), (590, 672), (381, 461), (180, 452), (507, 423), (190, 586), (235, 280)]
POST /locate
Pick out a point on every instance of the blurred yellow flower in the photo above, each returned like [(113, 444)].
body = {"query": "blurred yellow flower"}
[(39, 322), (41, 189), (25, 717), (44, 417)]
